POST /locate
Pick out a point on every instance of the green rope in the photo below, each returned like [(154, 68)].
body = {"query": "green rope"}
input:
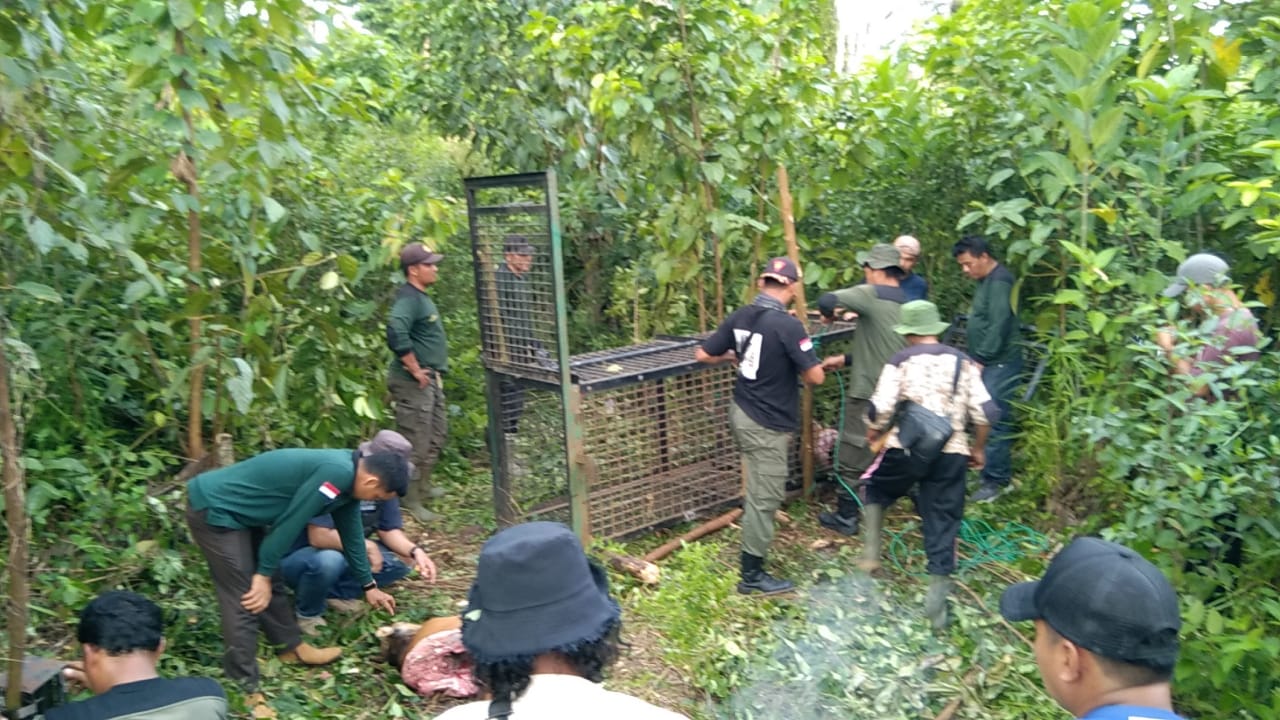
[(980, 542)]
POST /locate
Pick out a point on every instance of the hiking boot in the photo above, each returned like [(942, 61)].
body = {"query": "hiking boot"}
[(988, 493), (839, 523), (935, 601), (305, 654), (873, 522), (310, 625), (756, 580), (344, 605)]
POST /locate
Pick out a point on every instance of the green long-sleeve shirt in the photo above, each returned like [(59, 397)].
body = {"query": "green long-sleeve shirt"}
[(993, 330), (415, 326), (879, 309), (282, 490)]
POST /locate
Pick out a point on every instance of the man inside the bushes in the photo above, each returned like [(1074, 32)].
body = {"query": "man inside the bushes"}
[(1106, 631)]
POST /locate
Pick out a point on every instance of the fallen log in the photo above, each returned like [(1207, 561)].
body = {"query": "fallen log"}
[(643, 570), (704, 529)]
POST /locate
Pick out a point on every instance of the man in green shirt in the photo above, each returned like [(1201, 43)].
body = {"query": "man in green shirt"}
[(416, 338), (994, 341), (246, 516), (878, 304)]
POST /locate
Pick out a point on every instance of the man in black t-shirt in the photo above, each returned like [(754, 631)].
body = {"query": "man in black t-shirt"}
[(770, 347), (121, 634)]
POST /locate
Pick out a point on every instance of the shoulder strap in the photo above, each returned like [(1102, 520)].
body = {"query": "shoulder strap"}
[(955, 382), (499, 709)]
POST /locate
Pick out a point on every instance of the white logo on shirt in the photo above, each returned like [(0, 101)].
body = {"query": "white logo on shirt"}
[(749, 362)]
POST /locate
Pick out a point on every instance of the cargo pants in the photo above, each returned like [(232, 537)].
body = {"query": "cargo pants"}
[(764, 457)]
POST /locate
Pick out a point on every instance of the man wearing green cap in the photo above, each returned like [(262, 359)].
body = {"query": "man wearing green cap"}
[(947, 383), (878, 303)]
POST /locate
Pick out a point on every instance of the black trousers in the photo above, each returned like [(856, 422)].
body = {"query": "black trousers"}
[(233, 559), (939, 499)]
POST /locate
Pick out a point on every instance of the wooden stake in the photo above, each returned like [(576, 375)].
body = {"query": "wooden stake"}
[(802, 312), (704, 529), (643, 570)]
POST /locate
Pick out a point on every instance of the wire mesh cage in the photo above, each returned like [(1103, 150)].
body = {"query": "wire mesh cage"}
[(613, 442)]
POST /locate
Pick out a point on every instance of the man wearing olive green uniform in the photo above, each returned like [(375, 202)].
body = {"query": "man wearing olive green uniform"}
[(878, 303), (416, 337)]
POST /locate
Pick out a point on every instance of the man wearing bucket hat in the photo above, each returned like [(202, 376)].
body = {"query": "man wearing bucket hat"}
[(542, 629), (948, 384), (416, 338), (318, 572), (1231, 337), (878, 303), (1106, 631), (770, 347)]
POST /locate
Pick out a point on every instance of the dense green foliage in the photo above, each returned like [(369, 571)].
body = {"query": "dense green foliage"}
[(200, 203)]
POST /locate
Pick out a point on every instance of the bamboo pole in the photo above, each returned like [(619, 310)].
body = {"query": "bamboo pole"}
[(704, 529), (802, 312)]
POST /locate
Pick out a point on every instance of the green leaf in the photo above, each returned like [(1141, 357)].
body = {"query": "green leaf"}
[(136, 290), (277, 103), (1069, 297), (275, 211), (42, 235), (970, 218), (40, 291), (998, 177), (240, 386), (182, 13), (1107, 127), (713, 172), (1097, 321)]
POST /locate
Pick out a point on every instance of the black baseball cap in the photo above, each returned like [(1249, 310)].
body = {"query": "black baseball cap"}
[(1107, 599), (782, 270)]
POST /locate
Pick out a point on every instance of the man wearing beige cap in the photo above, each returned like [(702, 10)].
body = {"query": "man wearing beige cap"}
[(416, 338), (913, 286)]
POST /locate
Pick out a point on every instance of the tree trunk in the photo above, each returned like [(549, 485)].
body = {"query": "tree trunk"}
[(184, 168), (16, 519)]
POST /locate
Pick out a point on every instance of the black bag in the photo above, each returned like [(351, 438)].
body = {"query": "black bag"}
[(922, 432)]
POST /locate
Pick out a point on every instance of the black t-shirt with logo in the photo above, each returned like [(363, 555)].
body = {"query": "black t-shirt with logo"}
[(772, 348)]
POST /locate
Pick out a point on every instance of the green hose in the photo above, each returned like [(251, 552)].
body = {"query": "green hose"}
[(980, 541)]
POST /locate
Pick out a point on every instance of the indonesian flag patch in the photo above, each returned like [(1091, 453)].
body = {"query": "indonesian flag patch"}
[(329, 490), (806, 345)]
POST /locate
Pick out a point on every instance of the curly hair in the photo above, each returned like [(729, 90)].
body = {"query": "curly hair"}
[(509, 678)]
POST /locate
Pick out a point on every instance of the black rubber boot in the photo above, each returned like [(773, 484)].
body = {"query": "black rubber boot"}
[(844, 519), (756, 580)]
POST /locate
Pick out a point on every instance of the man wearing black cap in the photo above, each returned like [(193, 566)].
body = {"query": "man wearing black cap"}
[(878, 304), (1106, 631), (415, 335), (244, 517), (542, 630), (770, 347)]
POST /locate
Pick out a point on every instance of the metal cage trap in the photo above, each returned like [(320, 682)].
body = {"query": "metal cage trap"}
[(613, 442)]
